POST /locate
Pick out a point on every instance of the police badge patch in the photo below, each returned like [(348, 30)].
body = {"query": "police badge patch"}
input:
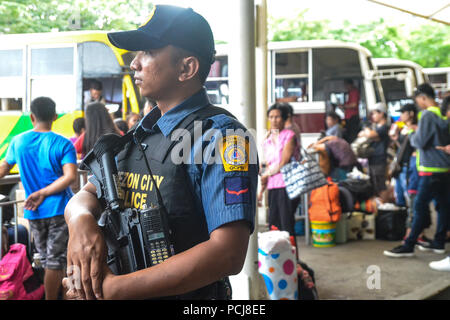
[(235, 151)]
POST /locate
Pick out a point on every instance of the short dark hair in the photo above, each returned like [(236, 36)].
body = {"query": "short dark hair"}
[(282, 108), (44, 109), (78, 125), (348, 81), (96, 85), (425, 89), (333, 115), (204, 67), (122, 125)]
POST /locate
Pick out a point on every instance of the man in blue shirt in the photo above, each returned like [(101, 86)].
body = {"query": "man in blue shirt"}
[(202, 160), (48, 166)]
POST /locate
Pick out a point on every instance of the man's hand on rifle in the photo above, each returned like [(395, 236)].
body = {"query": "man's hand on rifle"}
[(86, 258)]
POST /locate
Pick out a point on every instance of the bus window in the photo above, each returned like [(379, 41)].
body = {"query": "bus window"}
[(217, 81), (330, 67), (12, 86), (52, 75), (291, 76), (51, 61), (98, 60)]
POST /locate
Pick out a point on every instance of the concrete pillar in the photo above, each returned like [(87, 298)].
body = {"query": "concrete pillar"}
[(243, 101)]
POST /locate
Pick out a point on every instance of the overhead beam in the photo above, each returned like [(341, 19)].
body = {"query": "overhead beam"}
[(414, 13)]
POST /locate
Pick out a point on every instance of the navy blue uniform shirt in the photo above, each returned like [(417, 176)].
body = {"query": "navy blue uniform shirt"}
[(223, 165)]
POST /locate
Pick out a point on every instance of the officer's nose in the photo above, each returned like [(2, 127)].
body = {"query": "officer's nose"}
[(134, 65)]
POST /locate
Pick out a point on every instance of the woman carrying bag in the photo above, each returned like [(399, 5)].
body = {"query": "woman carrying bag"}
[(279, 147)]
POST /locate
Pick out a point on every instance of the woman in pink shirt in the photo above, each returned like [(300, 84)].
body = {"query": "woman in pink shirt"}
[(278, 148)]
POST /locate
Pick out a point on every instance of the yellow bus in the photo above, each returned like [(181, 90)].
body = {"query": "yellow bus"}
[(60, 66)]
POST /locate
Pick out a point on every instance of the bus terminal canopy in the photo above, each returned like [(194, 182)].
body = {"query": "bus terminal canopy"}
[(436, 10)]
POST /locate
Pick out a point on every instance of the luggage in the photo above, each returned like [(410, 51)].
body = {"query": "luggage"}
[(361, 189), (17, 279), (301, 177), (362, 148), (361, 226), (346, 199), (276, 264), (325, 204), (391, 224), (341, 229)]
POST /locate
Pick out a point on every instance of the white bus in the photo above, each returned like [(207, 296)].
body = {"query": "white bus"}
[(439, 79), (310, 75), (399, 78)]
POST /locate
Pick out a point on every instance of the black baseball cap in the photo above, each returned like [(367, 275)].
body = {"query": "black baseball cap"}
[(169, 25), (409, 107)]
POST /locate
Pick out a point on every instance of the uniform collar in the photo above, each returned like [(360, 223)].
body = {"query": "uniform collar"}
[(168, 122)]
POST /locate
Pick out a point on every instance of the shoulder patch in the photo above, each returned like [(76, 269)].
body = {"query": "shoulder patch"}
[(237, 190), (235, 151)]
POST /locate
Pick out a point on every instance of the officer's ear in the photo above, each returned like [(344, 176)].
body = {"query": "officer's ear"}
[(189, 67)]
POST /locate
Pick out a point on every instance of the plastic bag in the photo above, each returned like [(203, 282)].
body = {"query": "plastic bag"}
[(277, 265)]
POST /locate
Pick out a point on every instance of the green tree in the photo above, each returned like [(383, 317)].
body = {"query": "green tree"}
[(29, 16), (281, 29), (427, 45)]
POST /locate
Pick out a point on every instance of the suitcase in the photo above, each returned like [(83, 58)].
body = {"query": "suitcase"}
[(361, 226), (391, 224)]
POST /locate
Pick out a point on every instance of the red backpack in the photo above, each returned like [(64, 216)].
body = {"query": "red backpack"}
[(325, 204)]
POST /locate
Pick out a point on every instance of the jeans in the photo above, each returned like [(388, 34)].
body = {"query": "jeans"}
[(401, 187), (437, 187)]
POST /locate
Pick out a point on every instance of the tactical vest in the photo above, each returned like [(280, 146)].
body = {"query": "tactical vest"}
[(136, 188)]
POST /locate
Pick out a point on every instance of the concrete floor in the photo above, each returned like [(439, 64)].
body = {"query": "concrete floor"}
[(343, 271)]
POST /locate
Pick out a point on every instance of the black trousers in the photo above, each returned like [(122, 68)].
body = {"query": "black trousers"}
[(282, 210), (352, 128)]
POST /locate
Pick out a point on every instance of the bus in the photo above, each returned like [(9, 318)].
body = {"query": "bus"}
[(61, 66), (399, 79), (439, 79), (310, 76)]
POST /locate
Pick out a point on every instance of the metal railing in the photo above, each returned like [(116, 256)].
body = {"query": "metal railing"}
[(10, 179), (16, 222), (15, 178)]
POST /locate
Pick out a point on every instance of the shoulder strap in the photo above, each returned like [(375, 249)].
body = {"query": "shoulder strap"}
[(165, 145)]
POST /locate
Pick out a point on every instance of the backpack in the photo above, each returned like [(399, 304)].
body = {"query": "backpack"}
[(325, 203), (17, 280), (361, 189)]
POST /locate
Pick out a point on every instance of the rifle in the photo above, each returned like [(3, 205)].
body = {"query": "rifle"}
[(136, 238)]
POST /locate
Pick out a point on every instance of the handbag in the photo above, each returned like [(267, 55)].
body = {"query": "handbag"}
[(362, 148), (395, 167), (300, 177)]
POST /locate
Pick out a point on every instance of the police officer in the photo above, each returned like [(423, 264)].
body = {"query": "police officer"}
[(209, 188)]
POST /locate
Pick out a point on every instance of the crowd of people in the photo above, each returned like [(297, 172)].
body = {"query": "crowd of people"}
[(417, 175), (212, 228), (420, 175)]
